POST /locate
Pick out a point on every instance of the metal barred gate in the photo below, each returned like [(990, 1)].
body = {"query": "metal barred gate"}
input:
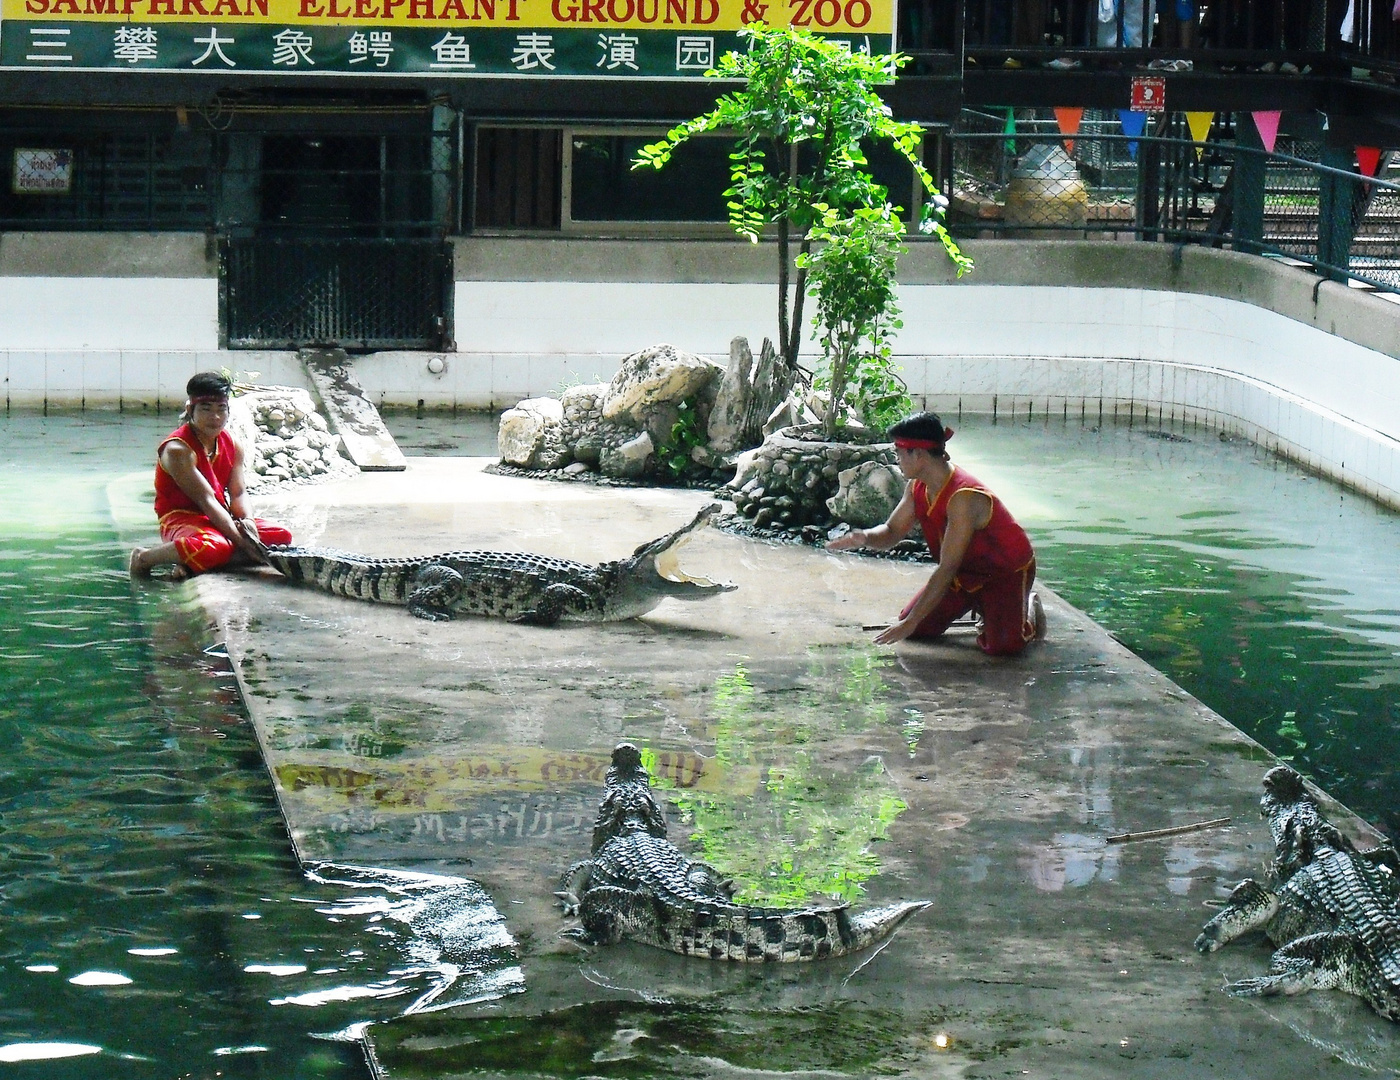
[(356, 293)]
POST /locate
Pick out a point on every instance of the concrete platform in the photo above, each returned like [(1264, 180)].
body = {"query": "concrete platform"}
[(807, 758)]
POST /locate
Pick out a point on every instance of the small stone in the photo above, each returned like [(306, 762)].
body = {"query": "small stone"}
[(576, 468)]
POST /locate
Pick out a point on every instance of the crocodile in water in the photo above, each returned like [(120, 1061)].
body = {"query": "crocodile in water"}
[(505, 584), (1332, 911), (638, 885)]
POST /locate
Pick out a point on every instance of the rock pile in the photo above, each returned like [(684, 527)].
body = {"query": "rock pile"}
[(617, 427), (787, 481), (285, 439)]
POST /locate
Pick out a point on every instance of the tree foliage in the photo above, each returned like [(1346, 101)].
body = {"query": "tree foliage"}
[(852, 277), (805, 107)]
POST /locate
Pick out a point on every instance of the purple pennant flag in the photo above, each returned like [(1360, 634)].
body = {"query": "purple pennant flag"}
[(1133, 125)]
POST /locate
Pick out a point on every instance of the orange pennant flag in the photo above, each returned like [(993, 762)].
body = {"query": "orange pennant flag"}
[(1368, 159), (1068, 118), (1199, 123)]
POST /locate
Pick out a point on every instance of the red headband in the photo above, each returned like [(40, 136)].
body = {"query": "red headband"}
[(923, 444), (197, 398)]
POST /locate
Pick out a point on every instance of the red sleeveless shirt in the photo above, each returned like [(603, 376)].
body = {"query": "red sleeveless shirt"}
[(217, 470), (1000, 548)]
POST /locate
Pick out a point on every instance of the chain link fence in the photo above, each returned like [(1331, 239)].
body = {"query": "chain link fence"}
[(1014, 174)]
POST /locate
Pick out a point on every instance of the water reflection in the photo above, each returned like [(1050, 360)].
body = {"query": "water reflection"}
[(807, 830), (1267, 593)]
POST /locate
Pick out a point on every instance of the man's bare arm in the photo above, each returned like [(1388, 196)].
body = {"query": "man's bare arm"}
[(968, 512), (179, 460), (881, 537)]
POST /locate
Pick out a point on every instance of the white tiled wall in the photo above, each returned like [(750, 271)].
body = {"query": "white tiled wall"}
[(1173, 357)]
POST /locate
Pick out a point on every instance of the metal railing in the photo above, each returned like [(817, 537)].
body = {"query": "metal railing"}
[(1164, 186)]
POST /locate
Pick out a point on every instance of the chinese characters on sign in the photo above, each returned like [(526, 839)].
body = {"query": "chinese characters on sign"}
[(538, 38)]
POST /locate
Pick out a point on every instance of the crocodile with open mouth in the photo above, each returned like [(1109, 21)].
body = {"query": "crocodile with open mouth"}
[(639, 885), (511, 585)]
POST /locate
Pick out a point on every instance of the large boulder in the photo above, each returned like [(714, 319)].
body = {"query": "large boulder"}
[(653, 382), (746, 397), (868, 494), (630, 460), (531, 435)]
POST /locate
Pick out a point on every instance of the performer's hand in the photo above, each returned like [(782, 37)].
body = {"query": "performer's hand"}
[(250, 541), (848, 541), (898, 632)]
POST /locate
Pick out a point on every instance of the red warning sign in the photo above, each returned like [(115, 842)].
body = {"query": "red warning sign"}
[(1148, 94)]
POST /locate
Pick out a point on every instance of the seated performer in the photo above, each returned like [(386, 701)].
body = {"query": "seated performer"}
[(199, 491), (985, 561)]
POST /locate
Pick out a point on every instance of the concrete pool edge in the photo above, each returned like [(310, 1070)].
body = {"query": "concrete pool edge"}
[(235, 601)]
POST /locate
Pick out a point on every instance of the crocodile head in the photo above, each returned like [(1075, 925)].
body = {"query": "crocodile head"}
[(1299, 830), (653, 573)]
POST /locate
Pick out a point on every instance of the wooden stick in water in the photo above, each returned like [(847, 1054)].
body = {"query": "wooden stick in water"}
[(1157, 834)]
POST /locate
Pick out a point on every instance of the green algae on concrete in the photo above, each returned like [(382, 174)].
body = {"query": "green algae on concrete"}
[(1047, 951)]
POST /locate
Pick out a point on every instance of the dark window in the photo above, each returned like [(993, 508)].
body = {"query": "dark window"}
[(120, 180), (690, 188), (517, 178)]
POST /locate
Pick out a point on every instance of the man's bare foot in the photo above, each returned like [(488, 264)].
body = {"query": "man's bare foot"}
[(1036, 614), (137, 566)]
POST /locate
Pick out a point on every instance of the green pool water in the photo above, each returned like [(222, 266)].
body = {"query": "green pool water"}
[(145, 857), (1268, 593), (153, 922)]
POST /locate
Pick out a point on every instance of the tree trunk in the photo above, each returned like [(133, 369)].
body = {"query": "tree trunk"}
[(783, 229)]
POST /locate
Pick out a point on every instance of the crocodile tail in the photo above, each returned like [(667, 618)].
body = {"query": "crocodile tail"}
[(345, 573), (758, 935), (879, 923)]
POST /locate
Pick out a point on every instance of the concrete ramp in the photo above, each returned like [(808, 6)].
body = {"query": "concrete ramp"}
[(351, 414)]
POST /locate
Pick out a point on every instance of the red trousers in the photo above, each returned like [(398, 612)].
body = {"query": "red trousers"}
[(202, 547), (1002, 605)]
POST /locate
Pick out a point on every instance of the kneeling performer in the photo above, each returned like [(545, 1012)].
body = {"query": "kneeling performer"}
[(985, 561)]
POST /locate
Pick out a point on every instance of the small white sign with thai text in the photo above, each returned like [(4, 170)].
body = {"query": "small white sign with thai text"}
[(48, 172)]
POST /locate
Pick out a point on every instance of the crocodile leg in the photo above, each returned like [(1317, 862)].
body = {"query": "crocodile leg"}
[(557, 598), (573, 882), (436, 588), (1315, 962), (1251, 907), (610, 913)]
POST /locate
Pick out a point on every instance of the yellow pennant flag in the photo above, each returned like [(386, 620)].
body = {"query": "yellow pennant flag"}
[(1199, 123)]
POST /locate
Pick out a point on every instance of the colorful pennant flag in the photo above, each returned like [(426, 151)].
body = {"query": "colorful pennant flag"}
[(1010, 129), (1266, 121), (1068, 118), (1368, 159), (1134, 123), (1199, 123)]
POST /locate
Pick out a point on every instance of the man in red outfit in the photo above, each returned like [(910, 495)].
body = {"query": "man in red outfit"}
[(204, 521), (985, 561)]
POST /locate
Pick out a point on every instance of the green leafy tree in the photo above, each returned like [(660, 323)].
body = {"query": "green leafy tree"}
[(799, 120), (852, 277)]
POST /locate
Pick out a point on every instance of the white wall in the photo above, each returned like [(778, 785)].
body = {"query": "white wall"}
[(1160, 354)]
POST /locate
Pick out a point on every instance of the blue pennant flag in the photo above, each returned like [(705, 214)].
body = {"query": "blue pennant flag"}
[(1133, 125)]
